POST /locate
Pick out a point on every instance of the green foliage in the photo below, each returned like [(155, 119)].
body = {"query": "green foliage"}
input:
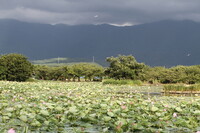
[(52, 107), (15, 67), (31, 80), (182, 87), (124, 67), (2, 72), (86, 70), (177, 74), (41, 72), (122, 82), (50, 73), (57, 73), (193, 74), (182, 74)]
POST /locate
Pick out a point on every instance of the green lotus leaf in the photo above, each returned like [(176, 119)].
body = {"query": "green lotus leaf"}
[(5, 117), (49, 106), (19, 106), (110, 114), (36, 123), (23, 118), (31, 115), (92, 115), (121, 122), (90, 107), (9, 109), (107, 118), (154, 109), (116, 111), (58, 108), (179, 109), (123, 114), (73, 109), (4, 104), (158, 114), (103, 105), (46, 123), (8, 114), (197, 112), (138, 126), (44, 112)]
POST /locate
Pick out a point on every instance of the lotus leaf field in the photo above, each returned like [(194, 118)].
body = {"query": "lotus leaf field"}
[(60, 107)]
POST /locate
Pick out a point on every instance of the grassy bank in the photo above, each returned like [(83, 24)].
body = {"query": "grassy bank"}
[(195, 87), (122, 82)]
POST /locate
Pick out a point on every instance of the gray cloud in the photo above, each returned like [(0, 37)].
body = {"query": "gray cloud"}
[(117, 12)]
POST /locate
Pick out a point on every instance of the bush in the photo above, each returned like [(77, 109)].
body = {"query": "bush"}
[(31, 80), (15, 67), (122, 82)]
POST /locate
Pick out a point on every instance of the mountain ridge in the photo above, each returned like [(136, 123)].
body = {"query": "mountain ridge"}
[(163, 43)]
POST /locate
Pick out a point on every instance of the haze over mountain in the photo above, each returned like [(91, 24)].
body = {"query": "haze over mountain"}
[(165, 43)]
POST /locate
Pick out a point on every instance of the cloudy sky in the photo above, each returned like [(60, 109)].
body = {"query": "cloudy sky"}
[(117, 12)]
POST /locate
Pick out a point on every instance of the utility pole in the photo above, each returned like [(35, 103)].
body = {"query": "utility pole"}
[(93, 59), (58, 60)]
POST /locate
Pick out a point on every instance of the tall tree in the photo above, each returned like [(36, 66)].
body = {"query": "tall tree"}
[(15, 67), (124, 67)]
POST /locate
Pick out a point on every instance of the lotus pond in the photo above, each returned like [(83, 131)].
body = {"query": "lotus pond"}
[(59, 107)]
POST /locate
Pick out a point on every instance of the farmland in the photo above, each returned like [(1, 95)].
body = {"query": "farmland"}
[(52, 106)]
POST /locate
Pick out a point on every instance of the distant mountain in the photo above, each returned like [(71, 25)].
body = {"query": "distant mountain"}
[(59, 61), (165, 43)]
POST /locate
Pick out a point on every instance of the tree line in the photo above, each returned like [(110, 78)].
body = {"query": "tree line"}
[(86, 71), (126, 67), (16, 67)]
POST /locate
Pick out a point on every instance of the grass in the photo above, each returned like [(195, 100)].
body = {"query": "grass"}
[(122, 82), (182, 87)]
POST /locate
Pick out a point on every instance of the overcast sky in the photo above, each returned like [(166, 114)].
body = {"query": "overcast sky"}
[(118, 12)]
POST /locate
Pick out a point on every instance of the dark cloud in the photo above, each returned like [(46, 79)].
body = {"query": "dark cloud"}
[(99, 11)]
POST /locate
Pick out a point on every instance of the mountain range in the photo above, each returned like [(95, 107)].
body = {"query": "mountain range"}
[(164, 43)]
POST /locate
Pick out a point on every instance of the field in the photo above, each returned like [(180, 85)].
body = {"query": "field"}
[(50, 106)]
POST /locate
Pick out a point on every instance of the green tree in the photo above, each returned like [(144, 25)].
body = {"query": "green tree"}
[(124, 67), (180, 74), (42, 72), (57, 73), (50, 73), (193, 74), (78, 71), (92, 70), (69, 73), (15, 67), (87, 70), (2, 73)]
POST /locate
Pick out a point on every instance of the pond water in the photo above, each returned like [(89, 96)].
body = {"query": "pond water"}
[(181, 95), (152, 91)]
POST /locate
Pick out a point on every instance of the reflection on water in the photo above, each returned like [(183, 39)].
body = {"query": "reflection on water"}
[(181, 94), (150, 91)]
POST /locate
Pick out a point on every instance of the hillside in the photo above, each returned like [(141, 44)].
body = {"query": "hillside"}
[(165, 43), (65, 61)]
